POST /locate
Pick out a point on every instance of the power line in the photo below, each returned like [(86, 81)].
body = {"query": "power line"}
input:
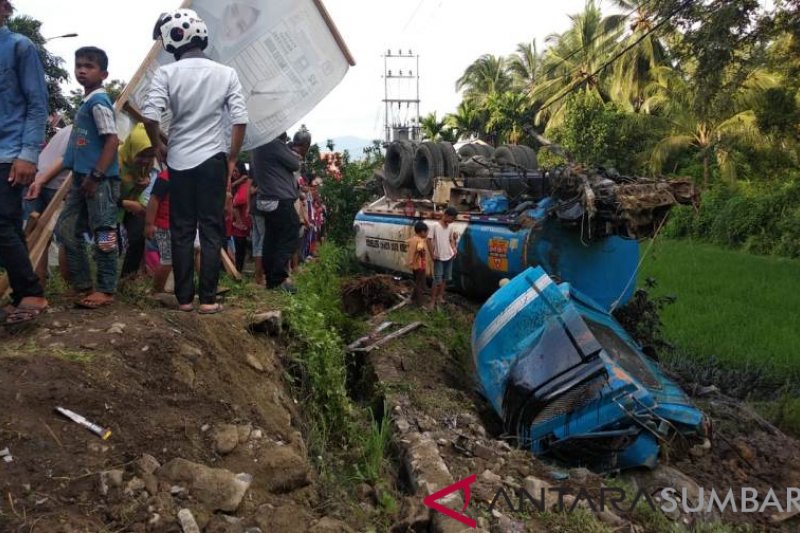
[(627, 49), (413, 15)]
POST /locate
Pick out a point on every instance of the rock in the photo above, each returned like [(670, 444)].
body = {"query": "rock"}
[(184, 372), (244, 432), (257, 434), (490, 477), (329, 525), (225, 524), (426, 424), (187, 521), (282, 469), (190, 352), (484, 452), (226, 438), (288, 517), (700, 450), (134, 486), (147, 464), (114, 477), (253, 361), (579, 475), (779, 518), (744, 450), (270, 323), (96, 447), (363, 491), (150, 483), (216, 488), (115, 331), (539, 490), (154, 521)]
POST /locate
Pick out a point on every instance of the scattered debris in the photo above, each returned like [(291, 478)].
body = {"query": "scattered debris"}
[(187, 521), (103, 433), (5, 454), (397, 334), (270, 323), (360, 342)]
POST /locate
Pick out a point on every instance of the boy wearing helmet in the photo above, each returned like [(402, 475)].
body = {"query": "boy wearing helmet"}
[(199, 92)]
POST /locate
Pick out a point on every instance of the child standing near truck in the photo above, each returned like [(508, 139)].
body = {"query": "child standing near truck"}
[(443, 241), (419, 248)]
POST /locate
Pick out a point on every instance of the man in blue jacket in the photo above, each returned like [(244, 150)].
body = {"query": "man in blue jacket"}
[(23, 116)]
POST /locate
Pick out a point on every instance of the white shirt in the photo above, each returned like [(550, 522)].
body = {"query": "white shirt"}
[(197, 91), (442, 240), (52, 154)]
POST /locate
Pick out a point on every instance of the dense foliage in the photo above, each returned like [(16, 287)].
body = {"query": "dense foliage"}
[(703, 88)]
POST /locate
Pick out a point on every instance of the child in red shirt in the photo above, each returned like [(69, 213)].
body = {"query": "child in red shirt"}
[(157, 227)]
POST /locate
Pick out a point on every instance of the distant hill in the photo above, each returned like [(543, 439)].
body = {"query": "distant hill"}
[(354, 145)]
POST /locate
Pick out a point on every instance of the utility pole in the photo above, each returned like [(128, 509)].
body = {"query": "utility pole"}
[(401, 95)]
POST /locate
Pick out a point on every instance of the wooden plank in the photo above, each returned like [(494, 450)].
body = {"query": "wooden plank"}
[(397, 334), (230, 267), (335, 32), (383, 327)]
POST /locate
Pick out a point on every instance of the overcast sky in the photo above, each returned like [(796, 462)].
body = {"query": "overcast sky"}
[(447, 34)]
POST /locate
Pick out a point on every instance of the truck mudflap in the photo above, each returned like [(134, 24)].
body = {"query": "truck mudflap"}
[(570, 383)]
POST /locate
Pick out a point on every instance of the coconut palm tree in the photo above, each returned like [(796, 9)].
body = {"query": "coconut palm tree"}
[(525, 65), (431, 127), (488, 74), (633, 72), (574, 58), (713, 139), (468, 120)]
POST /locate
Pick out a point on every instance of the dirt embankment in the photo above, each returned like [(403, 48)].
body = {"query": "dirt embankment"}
[(200, 415)]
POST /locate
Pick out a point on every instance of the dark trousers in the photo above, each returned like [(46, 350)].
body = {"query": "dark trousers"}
[(241, 252), (420, 284), (197, 201), (134, 227), (13, 250), (281, 235)]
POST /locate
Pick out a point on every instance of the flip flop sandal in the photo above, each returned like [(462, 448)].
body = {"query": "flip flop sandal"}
[(86, 303), (23, 314), (211, 311), (186, 308)]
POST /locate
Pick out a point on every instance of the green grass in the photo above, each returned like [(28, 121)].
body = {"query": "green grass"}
[(738, 308)]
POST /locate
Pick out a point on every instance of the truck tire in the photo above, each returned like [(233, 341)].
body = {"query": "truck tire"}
[(533, 159), (450, 160), (504, 156), (399, 165), (520, 156), (428, 164), (469, 150), (485, 150)]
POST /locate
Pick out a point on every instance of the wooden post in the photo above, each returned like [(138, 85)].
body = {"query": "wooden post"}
[(230, 267)]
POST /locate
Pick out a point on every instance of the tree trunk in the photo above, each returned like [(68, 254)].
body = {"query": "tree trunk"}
[(706, 171)]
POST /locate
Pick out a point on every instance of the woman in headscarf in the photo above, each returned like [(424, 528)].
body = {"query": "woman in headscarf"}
[(137, 163)]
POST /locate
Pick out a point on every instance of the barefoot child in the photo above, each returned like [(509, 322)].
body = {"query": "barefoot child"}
[(91, 205), (417, 259)]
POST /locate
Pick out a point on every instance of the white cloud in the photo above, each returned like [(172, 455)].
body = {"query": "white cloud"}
[(447, 34)]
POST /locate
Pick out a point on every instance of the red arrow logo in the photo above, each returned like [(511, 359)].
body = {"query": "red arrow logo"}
[(431, 501)]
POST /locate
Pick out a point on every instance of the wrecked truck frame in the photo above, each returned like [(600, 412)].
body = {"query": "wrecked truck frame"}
[(571, 384)]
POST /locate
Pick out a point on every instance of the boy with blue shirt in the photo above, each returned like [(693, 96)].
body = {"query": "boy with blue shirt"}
[(91, 205)]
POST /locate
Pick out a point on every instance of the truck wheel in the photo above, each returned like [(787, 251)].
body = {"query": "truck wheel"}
[(533, 160), (450, 159), (520, 156), (399, 164), (428, 164), (504, 156), (469, 150)]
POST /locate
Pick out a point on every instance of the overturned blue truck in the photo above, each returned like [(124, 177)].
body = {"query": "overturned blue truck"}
[(555, 253)]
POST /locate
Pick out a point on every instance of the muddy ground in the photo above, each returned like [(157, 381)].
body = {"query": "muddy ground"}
[(427, 380), (203, 418), (172, 388)]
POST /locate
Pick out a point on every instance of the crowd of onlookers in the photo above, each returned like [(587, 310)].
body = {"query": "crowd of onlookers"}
[(150, 205)]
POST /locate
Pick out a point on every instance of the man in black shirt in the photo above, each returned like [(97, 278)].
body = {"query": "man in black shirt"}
[(274, 167)]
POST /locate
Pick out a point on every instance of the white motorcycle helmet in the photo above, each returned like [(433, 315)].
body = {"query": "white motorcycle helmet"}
[(179, 29)]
